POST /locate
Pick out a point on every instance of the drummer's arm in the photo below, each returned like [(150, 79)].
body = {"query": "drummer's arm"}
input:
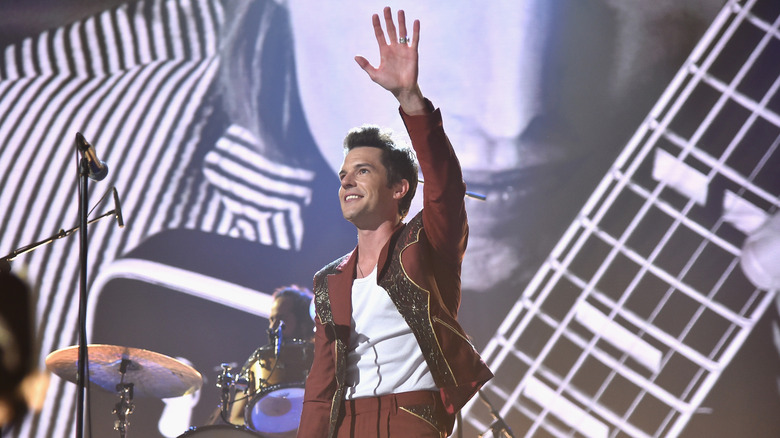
[(237, 409), (320, 385)]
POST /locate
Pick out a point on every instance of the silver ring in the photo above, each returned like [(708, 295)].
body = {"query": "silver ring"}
[(403, 40)]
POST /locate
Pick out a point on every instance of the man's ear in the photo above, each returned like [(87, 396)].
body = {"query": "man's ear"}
[(400, 189)]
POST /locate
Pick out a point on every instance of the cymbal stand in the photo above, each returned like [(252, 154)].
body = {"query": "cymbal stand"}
[(125, 405), (225, 382)]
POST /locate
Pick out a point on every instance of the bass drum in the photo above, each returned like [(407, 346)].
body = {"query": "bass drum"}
[(219, 431), (276, 411)]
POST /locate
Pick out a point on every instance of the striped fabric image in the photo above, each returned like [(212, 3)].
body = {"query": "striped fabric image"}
[(262, 198), (138, 82)]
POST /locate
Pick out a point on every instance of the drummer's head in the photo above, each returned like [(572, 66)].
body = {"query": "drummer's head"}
[(291, 305)]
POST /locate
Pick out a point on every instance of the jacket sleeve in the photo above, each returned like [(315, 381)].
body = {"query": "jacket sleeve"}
[(444, 208)]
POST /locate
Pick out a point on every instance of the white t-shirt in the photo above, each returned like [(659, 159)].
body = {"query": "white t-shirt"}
[(383, 355)]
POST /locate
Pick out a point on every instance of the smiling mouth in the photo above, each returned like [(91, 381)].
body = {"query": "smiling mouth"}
[(351, 197)]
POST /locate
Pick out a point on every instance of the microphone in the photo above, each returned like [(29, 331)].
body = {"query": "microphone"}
[(97, 168), (469, 194), (118, 210), (278, 340)]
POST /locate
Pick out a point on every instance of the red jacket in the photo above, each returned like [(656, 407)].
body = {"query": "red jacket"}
[(420, 268)]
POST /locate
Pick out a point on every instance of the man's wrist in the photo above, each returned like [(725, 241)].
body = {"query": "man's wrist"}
[(412, 102)]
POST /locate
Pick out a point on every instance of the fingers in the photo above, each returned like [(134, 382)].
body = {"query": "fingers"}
[(394, 35), (362, 62), (397, 69), (415, 34), (380, 34), (402, 24), (366, 66), (391, 33)]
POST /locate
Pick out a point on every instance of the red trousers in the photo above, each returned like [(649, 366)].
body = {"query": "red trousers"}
[(392, 416)]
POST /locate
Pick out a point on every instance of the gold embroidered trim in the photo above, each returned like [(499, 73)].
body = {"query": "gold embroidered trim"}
[(452, 329), (413, 303), (427, 414)]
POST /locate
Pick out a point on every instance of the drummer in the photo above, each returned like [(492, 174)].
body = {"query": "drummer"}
[(290, 310)]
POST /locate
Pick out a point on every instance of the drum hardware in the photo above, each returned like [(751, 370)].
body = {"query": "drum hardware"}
[(131, 372), (125, 405), (224, 383), (219, 431), (266, 376), (258, 373), (228, 385), (276, 376), (265, 397)]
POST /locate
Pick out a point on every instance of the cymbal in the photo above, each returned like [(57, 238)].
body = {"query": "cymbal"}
[(152, 374)]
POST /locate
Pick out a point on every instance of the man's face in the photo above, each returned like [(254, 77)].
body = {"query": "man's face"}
[(283, 309), (365, 198)]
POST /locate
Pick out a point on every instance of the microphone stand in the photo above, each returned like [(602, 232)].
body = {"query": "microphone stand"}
[(82, 228), (499, 428), (81, 372), (56, 236), (82, 361)]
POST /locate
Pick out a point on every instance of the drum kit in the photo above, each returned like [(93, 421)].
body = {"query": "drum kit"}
[(264, 398)]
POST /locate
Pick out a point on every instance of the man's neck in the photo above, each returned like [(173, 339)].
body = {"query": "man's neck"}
[(371, 242)]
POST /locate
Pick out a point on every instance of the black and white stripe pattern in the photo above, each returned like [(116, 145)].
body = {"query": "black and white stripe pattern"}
[(134, 80), (262, 199)]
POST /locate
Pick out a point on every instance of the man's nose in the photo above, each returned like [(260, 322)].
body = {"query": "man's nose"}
[(348, 180)]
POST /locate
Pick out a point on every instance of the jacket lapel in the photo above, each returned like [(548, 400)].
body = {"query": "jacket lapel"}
[(340, 291)]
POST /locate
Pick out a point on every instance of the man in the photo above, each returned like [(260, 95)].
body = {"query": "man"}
[(390, 356)]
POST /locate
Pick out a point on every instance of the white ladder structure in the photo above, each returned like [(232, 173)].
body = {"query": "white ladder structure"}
[(641, 305)]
